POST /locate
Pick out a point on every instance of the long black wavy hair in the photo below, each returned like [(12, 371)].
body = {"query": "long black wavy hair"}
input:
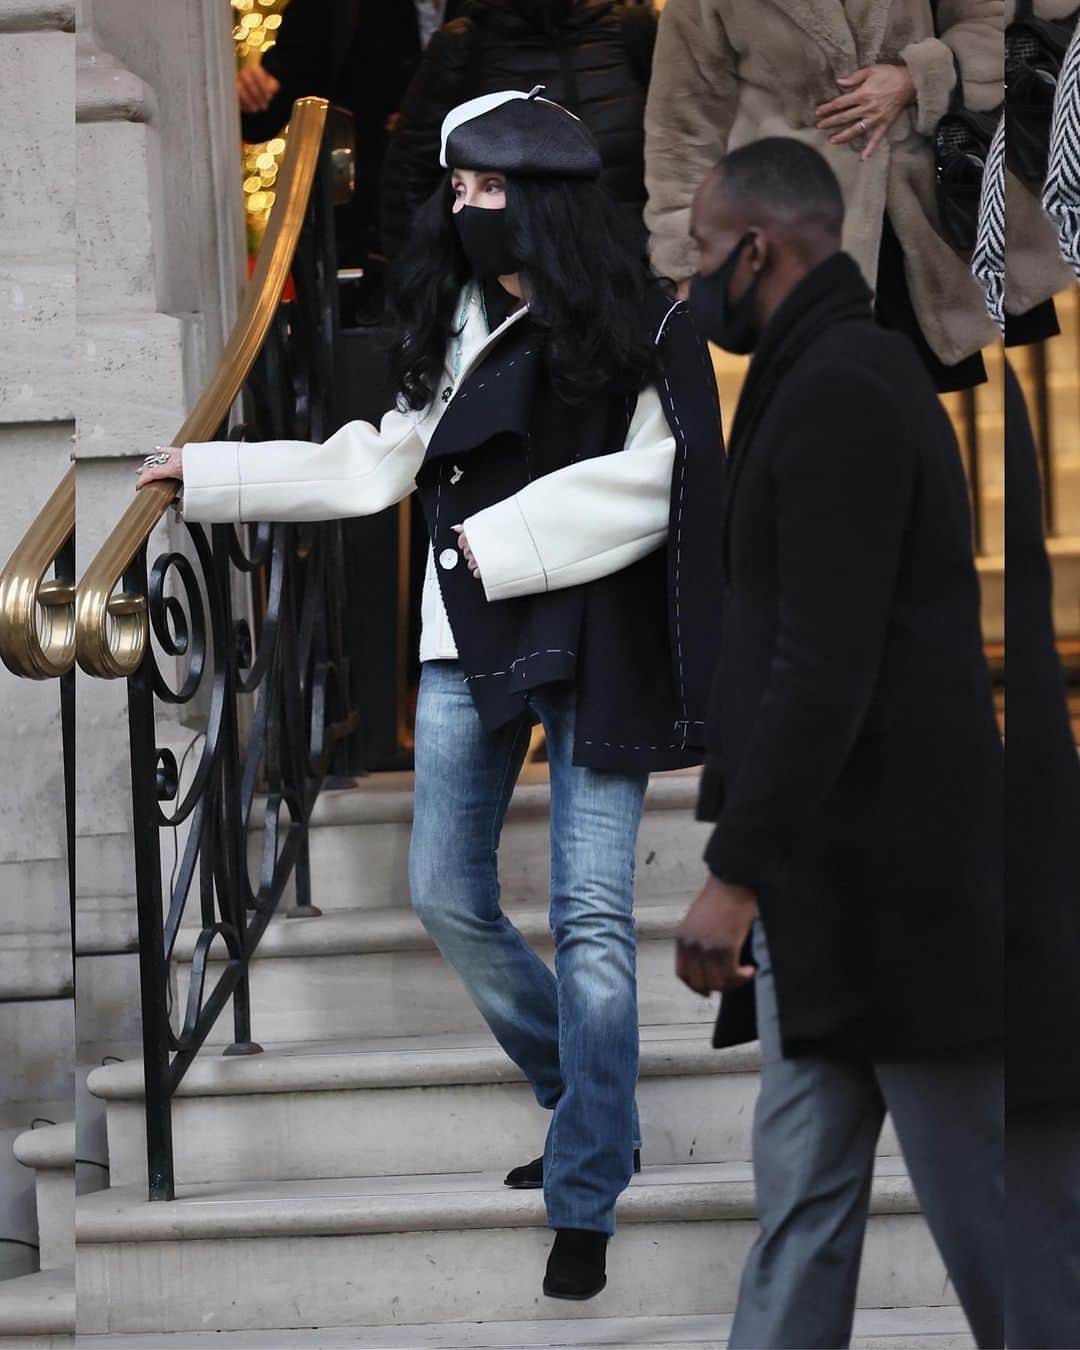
[(586, 279)]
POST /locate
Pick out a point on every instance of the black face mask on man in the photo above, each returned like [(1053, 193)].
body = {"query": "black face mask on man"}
[(482, 231), (730, 326)]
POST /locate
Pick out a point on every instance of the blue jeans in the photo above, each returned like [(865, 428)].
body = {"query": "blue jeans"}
[(573, 1034)]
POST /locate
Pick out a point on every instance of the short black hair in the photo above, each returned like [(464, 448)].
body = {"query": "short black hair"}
[(789, 182)]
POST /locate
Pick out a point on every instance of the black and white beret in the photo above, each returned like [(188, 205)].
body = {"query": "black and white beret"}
[(516, 133)]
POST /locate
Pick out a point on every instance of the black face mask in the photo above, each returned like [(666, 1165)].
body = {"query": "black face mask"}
[(729, 326), (482, 231)]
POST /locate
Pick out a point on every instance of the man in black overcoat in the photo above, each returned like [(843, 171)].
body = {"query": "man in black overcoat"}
[(854, 769), (1042, 867)]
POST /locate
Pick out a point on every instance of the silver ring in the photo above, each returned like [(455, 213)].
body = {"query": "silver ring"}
[(861, 124), (152, 461)]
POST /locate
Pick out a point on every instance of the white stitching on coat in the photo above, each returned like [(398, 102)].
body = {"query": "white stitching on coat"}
[(663, 323), (681, 436), (530, 352), (551, 651), (676, 745), (678, 550)]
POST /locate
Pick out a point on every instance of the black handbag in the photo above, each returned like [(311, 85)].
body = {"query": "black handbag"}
[(961, 145), (1034, 52)]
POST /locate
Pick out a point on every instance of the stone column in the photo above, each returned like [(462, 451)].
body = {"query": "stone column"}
[(121, 260), (160, 268), (37, 423)]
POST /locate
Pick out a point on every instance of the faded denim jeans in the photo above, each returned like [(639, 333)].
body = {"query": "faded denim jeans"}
[(573, 1034)]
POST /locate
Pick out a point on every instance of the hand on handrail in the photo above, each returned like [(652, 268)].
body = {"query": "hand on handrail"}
[(154, 467)]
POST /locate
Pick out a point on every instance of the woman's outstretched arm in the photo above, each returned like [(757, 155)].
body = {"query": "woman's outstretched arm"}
[(359, 471)]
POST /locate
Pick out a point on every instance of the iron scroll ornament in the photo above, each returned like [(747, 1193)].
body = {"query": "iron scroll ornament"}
[(271, 693)]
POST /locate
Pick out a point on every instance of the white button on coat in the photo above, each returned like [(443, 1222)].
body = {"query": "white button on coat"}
[(448, 559)]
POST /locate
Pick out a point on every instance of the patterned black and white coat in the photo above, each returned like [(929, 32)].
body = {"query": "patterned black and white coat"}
[(1062, 194), (593, 526), (1034, 268)]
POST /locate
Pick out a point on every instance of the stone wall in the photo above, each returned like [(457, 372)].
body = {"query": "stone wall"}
[(121, 259), (160, 268), (37, 423)]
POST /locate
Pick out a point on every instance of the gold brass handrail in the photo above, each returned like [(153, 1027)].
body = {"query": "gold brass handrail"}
[(26, 650), (112, 628)]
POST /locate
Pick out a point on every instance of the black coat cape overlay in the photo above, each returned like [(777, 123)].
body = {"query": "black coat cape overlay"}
[(854, 764), (640, 645)]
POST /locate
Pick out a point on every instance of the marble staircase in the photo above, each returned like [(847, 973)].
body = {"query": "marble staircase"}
[(344, 1188)]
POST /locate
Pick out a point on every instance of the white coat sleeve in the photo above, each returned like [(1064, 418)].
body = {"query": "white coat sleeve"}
[(359, 471), (588, 520)]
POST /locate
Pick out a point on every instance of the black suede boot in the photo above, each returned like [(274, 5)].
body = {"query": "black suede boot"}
[(576, 1268), (531, 1176)]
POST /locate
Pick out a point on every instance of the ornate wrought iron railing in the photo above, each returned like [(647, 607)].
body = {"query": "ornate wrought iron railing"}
[(272, 690)]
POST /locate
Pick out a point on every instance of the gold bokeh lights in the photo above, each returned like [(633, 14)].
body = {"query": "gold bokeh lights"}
[(257, 24)]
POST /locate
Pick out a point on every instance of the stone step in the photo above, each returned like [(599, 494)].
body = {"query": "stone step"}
[(359, 841), (377, 973), (436, 1104), (422, 1105), (875, 1329), (18, 1191), (37, 1312), (18, 1201), (407, 1250), (49, 1152)]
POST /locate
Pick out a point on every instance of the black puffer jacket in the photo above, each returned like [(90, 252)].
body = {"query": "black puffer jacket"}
[(593, 56)]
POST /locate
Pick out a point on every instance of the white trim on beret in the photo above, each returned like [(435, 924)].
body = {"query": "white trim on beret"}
[(477, 107)]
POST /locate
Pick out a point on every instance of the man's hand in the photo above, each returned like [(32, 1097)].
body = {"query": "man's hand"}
[(710, 942), (463, 544), (255, 88), (872, 100)]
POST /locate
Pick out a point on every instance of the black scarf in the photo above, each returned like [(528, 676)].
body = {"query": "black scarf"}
[(834, 292)]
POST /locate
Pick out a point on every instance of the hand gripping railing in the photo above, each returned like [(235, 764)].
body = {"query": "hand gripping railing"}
[(248, 627), (37, 614), (112, 628)]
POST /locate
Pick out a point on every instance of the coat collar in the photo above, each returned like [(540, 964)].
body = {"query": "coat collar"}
[(665, 309), (850, 34), (493, 393), (495, 336), (834, 292)]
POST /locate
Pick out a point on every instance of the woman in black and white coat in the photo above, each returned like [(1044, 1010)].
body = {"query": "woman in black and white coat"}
[(557, 414)]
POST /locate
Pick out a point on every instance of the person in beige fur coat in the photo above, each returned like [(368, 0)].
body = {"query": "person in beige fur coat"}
[(864, 82)]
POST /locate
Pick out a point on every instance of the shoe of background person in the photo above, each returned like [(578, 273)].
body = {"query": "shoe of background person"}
[(576, 1268), (531, 1176)]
